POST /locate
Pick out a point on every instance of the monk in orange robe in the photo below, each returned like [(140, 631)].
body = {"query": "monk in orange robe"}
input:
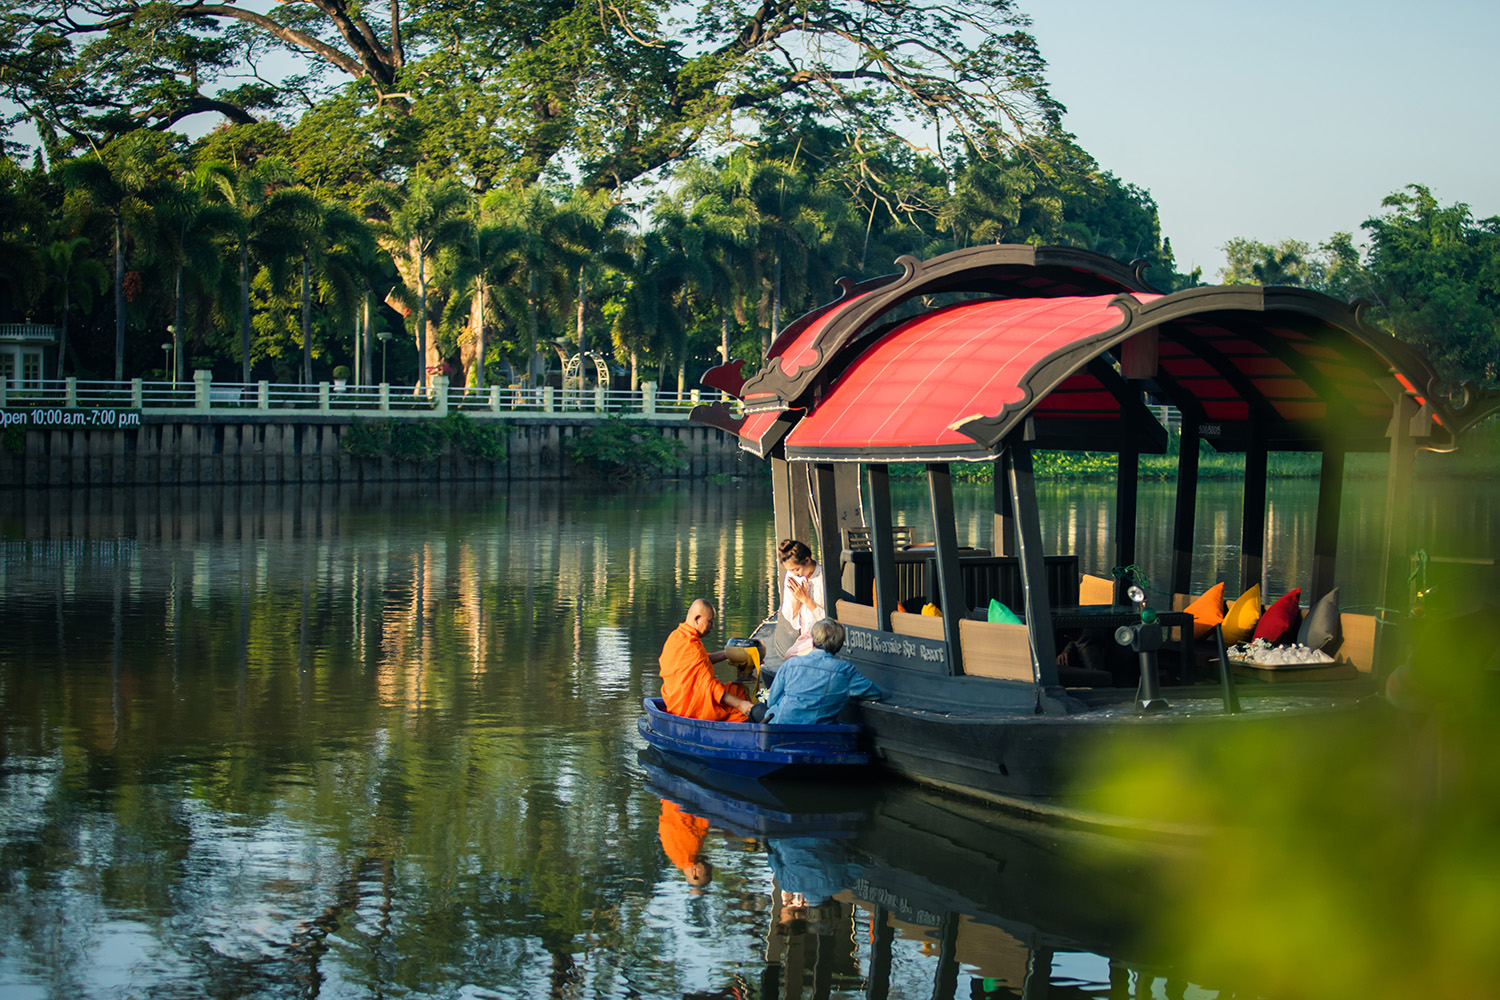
[(688, 685), (682, 836)]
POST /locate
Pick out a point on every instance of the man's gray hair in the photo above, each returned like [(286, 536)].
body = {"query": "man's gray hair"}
[(828, 635)]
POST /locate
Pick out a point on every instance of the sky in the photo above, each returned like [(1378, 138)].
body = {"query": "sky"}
[(1279, 120)]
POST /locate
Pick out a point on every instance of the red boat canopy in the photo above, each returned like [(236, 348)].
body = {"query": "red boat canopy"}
[(914, 389), (1030, 339)]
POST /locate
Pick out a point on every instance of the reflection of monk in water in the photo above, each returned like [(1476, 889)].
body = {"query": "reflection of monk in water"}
[(682, 836)]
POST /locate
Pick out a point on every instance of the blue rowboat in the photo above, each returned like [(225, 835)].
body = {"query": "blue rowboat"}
[(754, 749)]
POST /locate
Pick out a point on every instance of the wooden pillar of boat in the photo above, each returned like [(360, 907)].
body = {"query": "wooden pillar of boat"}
[(789, 497), (1033, 567), (851, 512), (1187, 506), (951, 598), (825, 512), (1253, 514), (1326, 533), (1003, 535), (882, 545), (1394, 592)]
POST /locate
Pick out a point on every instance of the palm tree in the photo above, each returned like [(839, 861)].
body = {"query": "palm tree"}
[(605, 232), (73, 275), (795, 225), (192, 225), (413, 222), (341, 246), (547, 244), (125, 180), (267, 216)]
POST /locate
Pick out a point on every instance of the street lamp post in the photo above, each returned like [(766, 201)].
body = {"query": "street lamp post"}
[(167, 360), (385, 336), (172, 355)]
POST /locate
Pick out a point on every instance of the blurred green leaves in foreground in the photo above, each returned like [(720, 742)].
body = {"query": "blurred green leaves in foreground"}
[(1355, 856)]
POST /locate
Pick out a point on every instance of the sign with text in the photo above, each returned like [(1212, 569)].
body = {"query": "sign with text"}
[(893, 650), (53, 418)]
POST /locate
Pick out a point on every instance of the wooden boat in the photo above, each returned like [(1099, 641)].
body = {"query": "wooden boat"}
[(754, 749), (991, 353)]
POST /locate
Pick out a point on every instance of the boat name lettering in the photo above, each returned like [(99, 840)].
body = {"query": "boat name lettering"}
[(899, 649), (1210, 430), (883, 897)]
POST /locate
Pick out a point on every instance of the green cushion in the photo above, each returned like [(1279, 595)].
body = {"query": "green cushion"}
[(1000, 613)]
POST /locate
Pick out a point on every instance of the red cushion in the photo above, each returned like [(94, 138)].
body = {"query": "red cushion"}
[(1280, 622)]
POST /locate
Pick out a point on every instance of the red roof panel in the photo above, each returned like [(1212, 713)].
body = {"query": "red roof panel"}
[(938, 370)]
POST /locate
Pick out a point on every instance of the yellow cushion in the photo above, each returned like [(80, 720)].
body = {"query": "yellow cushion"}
[(931, 609), (1207, 611), (1240, 619)]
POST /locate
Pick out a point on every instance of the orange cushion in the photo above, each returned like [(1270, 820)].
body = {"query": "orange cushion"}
[(1242, 616), (1280, 622), (1207, 611)]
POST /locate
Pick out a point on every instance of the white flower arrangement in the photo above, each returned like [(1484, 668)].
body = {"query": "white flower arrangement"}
[(1264, 654)]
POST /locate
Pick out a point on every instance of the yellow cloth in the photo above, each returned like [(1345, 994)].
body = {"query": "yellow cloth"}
[(1240, 619), (931, 610), (688, 685)]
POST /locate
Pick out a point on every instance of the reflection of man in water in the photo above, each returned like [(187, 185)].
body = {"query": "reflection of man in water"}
[(682, 836), (809, 872)]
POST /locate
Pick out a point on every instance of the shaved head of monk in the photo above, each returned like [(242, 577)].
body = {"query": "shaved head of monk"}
[(701, 616)]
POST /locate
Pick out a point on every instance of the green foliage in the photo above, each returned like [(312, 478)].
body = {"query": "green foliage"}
[(1366, 867), (620, 449), (423, 440), (1100, 466), (14, 439), (481, 442), (1431, 275)]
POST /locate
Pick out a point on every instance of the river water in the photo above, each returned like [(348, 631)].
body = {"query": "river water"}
[(348, 743)]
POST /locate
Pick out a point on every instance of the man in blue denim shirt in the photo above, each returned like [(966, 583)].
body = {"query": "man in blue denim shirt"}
[(813, 688)]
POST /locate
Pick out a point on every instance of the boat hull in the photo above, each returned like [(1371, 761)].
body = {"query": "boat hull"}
[(1050, 765), (751, 749)]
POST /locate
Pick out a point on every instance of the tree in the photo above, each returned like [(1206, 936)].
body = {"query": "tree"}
[(1291, 262), (1436, 279), (547, 243), (793, 222), (74, 277), (268, 219), (412, 223), (507, 90), (124, 180)]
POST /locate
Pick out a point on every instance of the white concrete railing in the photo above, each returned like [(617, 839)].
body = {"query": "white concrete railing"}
[(39, 333), (203, 395)]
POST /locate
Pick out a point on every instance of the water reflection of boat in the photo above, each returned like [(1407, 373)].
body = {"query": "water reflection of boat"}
[(993, 353), (999, 896), (754, 807), (754, 749)]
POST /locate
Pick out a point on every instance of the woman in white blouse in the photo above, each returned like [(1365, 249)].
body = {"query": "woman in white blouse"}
[(804, 598)]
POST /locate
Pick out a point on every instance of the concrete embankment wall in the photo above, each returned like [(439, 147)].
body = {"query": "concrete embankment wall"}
[(207, 451)]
